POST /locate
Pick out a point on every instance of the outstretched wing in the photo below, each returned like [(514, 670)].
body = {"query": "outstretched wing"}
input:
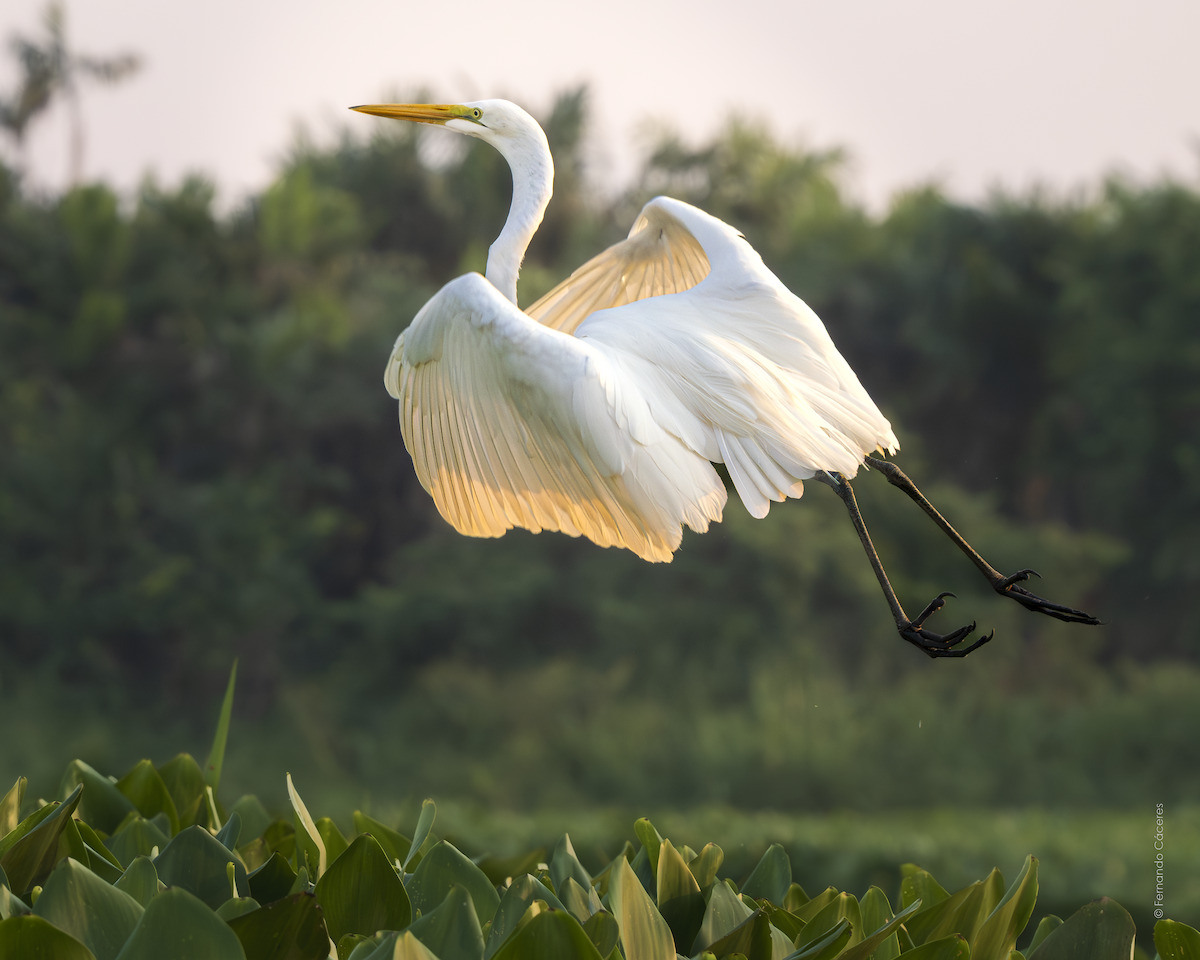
[(660, 256), (512, 424), (731, 361)]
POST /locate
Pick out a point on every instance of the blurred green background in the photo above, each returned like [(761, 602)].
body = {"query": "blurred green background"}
[(198, 462)]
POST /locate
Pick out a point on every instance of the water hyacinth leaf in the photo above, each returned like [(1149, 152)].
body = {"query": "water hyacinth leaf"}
[(11, 905), (499, 869), (424, 825), (918, 884), (679, 898), (102, 804), (70, 844), (254, 816), (196, 862), (998, 934), (564, 864), (644, 933), (136, 839), (94, 912), (576, 899), (140, 881), (301, 885), (442, 868), (1100, 930), (828, 947), (816, 904), (795, 898), (10, 807), (216, 756), (452, 930), (673, 879), (96, 846), (876, 912), (394, 843), (604, 932), (362, 893), (272, 881), (948, 948), (228, 835), (843, 907), (178, 925), (25, 826), (870, 945), (332, 837), (725, 913), (651, 841), (704, 868), (144, 787), (236, 907), (346, 946), (184, 780), (304, 825), (391, 946), (29, 861), (291, 929), (32, 938), (600, 880), (1047, 926), (1176, 941), (751, 939), (772, 876), (640, 865), (522, 892), (280, 837), (962, 913), (788, 924), (551, 935)]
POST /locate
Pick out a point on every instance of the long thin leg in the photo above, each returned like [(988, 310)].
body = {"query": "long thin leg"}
[(933, 644), (1005, 586)]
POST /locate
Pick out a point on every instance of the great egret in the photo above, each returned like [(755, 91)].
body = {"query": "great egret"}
[(601, 409)]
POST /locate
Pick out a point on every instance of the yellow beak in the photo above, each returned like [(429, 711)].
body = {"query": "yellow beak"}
[(418, 112)]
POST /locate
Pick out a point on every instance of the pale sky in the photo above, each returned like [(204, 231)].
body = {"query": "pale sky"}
[(971, 93)]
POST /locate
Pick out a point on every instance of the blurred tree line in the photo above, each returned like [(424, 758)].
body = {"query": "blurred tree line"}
[(198, 460)]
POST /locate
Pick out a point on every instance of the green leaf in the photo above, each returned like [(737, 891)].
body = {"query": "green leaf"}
[(97, 848), (869, 946), (771, 878), (392, 946), (651, 842), (998, 935), (551, 935), (919, 884), (229, 834), (565, 864), (140, 881), (255, 818), (843, 907), (195, 861), (816, 904), (795, 899), (948, 948), (424, 825), (10, 904), (876, 913), (10, 807), (679, 898), (724, 914), (579, 902), (136, 839), (29, 861), (291, 929), (394, 844), (185, 782), (644, 932), (331, 836), (451, 930), (308, 837), (522, 892), (178, 925), (98, 915), (361, 893), (500, 869), (604, 931), (443, 867), (704, 867), (216, 756), (32, 938), (1176, 941), (1100, 930), (236, 907), (280, 838), (145, 789), (1048, 925), (751, 939), (272, 881), (828, 947), (962, 913), (102, 804), (788, 924)]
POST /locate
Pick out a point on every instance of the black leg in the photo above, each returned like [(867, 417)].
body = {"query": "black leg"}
[(933, 644), (1005, 586)]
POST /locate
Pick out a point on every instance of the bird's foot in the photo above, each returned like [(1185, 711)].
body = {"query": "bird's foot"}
[(1008, 587), (937, 644)]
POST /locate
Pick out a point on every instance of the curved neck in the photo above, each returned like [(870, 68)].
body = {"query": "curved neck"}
[(533, 183)]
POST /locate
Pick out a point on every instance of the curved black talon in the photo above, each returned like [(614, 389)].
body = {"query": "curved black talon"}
[(936, 644), (1007, 587), (1016, 578)]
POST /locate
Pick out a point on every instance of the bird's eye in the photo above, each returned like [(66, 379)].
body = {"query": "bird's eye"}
[(476, 113)]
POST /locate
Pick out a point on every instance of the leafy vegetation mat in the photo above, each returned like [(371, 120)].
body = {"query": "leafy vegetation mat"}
[(152, 865)]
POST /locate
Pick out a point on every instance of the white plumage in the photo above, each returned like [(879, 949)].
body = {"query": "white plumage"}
[(601, 409)]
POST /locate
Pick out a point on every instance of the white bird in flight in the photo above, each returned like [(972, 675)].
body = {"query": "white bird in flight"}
[(601, 409)]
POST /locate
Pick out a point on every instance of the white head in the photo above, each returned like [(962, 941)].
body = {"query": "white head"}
[(522, 143)]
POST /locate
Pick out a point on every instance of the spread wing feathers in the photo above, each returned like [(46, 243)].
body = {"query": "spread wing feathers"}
[(660, 256), (741, 369), (511, 424)]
